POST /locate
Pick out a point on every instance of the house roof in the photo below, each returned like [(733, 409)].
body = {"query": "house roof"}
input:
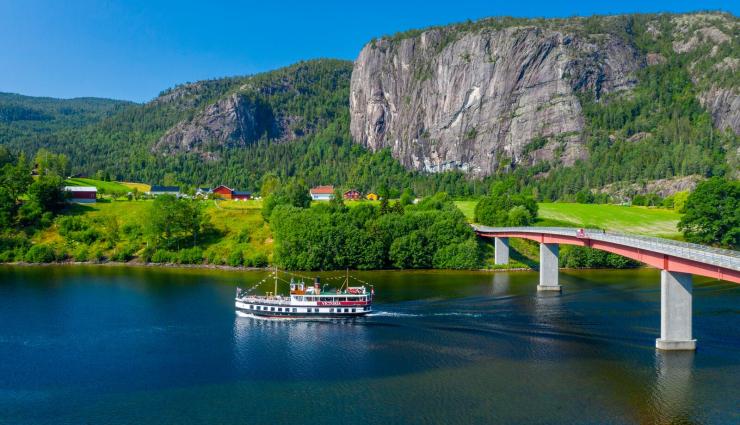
[(322, 190), (165, 189), (80, 188), (223, 186)]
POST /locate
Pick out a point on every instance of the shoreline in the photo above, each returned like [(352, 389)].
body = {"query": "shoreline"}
[(252, 269)]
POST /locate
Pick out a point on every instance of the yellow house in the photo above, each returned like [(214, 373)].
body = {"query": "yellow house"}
[(372, 196)]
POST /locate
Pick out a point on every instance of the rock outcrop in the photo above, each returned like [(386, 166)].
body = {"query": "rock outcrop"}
[(486, 100), (234, 121)]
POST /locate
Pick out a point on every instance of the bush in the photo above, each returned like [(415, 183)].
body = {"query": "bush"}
[(81, 253), (464, 255), (68, 224), (124, 252), (97, 254), (163, 256), (236, 258), (40, 254), (257, 260), (190, 256), (243, 236), (497, 210)]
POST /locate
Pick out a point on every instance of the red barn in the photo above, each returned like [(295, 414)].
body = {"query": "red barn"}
[(352, 194), (81, 194), (223, 192)]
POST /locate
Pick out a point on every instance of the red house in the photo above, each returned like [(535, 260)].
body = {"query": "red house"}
[(352, 194), (223, 192), (81, 194)]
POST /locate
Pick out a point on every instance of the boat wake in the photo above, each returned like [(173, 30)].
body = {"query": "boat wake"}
[(392, 314)]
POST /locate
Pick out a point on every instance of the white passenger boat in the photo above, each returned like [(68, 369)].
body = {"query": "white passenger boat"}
[(308, 301)]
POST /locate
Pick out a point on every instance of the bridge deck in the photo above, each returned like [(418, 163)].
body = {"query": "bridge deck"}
[(724, 258)]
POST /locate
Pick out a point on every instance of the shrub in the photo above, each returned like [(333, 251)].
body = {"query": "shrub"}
[(97, 254), (163, 256), (236, 258), (244, 236), (81, 253), (124, 252), (190, 256), (258, 259), (70, 224), (40, 254)]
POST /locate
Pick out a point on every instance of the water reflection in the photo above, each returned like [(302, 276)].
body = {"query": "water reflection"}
[(671, 396), (297, 348), (501, 283)]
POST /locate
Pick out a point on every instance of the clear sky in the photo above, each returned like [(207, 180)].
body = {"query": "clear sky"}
[(134, 49)]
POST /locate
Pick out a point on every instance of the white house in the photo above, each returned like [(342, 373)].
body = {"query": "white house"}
[(322, 193)]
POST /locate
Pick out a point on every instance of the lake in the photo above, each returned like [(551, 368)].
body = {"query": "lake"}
[(127, 345)]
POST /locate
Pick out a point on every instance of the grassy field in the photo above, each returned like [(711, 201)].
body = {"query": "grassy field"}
[(239, 226), (143, 187), (106, 186), (617, 218)]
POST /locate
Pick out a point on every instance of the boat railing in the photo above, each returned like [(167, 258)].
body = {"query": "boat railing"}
[(262, 299)]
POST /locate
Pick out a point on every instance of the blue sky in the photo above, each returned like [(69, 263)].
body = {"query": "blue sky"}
[(134, 49)]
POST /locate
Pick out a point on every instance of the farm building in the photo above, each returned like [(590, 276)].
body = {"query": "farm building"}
[(164, 190), (224, 192), (322, 193), (372, 196), (240, 195), (203, 191), (352, 194), (81, 194)]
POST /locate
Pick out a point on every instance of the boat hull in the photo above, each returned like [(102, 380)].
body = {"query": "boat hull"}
[(303, 312)]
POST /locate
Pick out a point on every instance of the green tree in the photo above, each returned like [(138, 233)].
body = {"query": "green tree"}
[(712, 213), (502, 210), (16, 178), (47, 193), (173, 221)]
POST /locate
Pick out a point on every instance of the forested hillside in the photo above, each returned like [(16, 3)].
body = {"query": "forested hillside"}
[(25, 118), (663, 110)]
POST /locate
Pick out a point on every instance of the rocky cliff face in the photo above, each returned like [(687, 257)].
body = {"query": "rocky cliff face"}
[(482, 100), (210, 117), (485, 101), (234, 121)]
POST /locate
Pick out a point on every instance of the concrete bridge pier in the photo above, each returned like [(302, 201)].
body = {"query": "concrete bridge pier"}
[(675, 312), (549, 267), (501, 250)]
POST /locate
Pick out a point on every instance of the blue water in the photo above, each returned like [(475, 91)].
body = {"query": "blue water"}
[(122, 345)]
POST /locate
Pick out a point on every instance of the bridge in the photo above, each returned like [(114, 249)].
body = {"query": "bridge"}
[(678, 262)]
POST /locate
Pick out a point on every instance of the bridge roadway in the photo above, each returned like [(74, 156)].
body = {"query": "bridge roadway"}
[(678, 261)]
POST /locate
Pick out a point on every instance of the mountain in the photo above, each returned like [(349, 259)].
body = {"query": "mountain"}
[(489, 96), (559, 105)]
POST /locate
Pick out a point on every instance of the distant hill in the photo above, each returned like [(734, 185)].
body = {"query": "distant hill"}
[(24, 117)]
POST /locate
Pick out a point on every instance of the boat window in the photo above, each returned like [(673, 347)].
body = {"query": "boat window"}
[(331, 310), (346, 310), (316, 310), (295, 310), (272, 308), (280, 309), (354, 310)]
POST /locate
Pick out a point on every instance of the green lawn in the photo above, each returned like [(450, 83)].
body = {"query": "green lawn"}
[(617, 218), (106, 186)]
